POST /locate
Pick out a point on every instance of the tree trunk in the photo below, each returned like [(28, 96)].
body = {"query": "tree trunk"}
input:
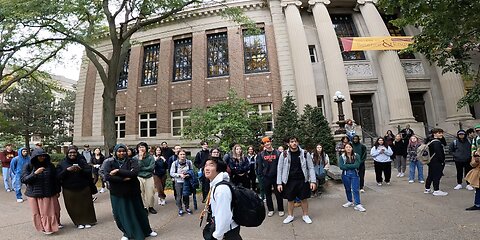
[(27, 140)]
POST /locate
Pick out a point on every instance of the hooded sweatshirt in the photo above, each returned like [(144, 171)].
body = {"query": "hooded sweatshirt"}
[(17, 164), (40, 185), (220, 203), (461, 149)]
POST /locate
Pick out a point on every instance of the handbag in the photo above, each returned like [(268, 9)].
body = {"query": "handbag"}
[(208, 230)]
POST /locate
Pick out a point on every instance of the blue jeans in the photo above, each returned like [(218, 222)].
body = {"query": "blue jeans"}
[(419, 166), (7, 178), (17, 185), (477, 197), (351, 181)]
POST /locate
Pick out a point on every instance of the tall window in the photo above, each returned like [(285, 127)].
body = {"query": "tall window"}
[(123, 77), (267, 110), (150, 64), (120, 126), (178, 121), (148, 125), (344, 27), (313, 53), (255, 52), (321, 103), (217, 54), (395, 31), (182, 60)]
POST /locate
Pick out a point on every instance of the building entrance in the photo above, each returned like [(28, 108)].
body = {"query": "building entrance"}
[(362, 108)]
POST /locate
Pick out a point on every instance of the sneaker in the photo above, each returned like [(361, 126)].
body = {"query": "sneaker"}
[(474, 207), (439, 193), (124, 238), (47, 233), (411, 181), (427, 191), (281, 213), (288, 219), (80, 227), (360, 208), (307, 219), (163, 202), (189, 211), (270, 213), (153, 234), (152, 210), (88, 226), (94, 198), (402, 174), (388, 183), (60, 226), (348, 204), (102, 190), (159, 201), (19, 200), (459, 186), (180, 212), (362, 190), (399, 174), (421, 181), (9, 190), (469, 188), (379, 184)]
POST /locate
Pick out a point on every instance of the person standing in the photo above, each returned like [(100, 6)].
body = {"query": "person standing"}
[(218, 206), (461, 150), (349, 163), (389, 138), (474, 178), (406, 133), (97, 161), (125, 195), (239, 167), (476, 139), (382, 162), (437, 163), (199, 162), (252, 176), (413, 145), (6, 157), (350, 129), (340, 147), (166, 151), (16, 167), (146, 165), (399, 148), (296, 177), (160, 176), (179, 172), (75, 177), (267, 162), (361, 150), (42, 192), (87, 153)]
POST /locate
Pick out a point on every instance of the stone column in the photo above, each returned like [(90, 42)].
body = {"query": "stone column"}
[(398, 99), (332, 56), (452, 90), (304, 80)]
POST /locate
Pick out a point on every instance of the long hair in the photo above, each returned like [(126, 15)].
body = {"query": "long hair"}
[(235, 155), (412, 143), (350, 158), (319, 156), (378, 144)]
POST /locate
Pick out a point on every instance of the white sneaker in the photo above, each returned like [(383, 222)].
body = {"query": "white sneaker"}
[(270, 213), (362, 190), (8, 190), (102, 190), (80, 227), (379, 184), (402, 174), (459, 186), (88, 226), (281, 213), (20, 200), (422, 181), (427, 191), (411, 181), (288, 219), (159, 201), (153, 234), (360, 208), (388, 183), (124, 238), (307, 219), (163, 202), (47, 233), (399, 174), (469, 188), (440, 193), (348, 204)]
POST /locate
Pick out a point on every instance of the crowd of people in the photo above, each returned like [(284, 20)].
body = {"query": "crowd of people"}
[(136, 177)]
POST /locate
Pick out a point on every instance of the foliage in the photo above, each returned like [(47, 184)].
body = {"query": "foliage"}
[(29, 110), (286, 122), (56, 157), (450, 36), (314, 129), (232, 121), (64, 110), (90, 23)]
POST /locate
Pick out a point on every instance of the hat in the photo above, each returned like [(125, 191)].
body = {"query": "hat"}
[(266, 139), (461, 131), (86, 145), (477, 127)]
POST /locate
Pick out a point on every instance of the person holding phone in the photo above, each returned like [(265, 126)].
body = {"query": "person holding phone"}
[(382, 162)]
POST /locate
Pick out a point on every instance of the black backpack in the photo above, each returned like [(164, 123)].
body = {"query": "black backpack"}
[(248, 207)]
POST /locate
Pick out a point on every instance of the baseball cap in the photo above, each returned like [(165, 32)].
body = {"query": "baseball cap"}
[(266, 139), (461, 132)]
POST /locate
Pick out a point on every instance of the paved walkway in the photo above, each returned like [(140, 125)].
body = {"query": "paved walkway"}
[(399, 211)]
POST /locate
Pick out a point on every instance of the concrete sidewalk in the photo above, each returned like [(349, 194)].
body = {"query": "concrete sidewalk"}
[(399, 211)]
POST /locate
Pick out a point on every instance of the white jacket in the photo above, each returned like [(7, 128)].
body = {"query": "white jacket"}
[(220, 203)]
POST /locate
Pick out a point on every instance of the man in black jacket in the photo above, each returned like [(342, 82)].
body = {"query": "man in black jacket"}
[(437, 163), (200, 160)]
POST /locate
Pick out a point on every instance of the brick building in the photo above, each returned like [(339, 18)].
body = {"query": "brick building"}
[(193, 60)]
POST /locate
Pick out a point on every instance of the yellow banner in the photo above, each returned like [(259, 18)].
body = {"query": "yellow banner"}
[(375, 43)]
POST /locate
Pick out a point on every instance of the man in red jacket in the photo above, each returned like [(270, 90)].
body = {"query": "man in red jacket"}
[(6, 157)]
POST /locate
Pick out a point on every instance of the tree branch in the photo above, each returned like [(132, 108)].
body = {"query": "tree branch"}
[(96, 63), (124, 2)]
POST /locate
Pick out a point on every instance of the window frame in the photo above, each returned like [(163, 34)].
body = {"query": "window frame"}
[(150, 64), (261, 112), (249, 57), (216, 40), (118, 124), (312, 50), (181, 62), (184, 114), (149, 119), (348, 29)]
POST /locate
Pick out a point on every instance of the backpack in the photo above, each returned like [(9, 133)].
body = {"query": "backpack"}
[(196, 183), (248, 208), (423, 152)]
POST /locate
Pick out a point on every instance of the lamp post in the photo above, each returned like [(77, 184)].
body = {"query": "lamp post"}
[(339, 99)]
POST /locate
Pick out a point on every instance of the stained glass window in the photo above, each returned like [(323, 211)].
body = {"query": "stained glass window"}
[(255, 52), (150, 64), (182, 60), (217, 54)]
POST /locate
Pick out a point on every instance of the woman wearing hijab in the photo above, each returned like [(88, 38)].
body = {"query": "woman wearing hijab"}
[(125, 195), (75, 176), (42, 191)]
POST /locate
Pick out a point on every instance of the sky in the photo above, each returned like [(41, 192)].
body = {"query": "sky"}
[(69, 64)]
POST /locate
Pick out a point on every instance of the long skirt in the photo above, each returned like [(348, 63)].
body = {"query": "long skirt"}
[(130, 216), (79, 205), (46, 213)]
